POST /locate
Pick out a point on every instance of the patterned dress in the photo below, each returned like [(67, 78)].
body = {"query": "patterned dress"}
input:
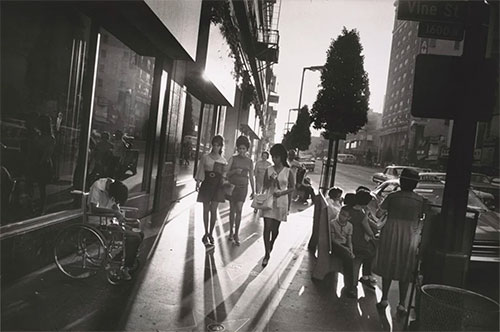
[(400, 236), (240, 181)]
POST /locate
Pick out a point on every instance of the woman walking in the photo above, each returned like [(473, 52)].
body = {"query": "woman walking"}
[(399, 237), (260, 170), (209, 180), (239, 173), (280, 182)]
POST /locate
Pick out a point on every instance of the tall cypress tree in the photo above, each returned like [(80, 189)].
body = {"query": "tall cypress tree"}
[(299, 137), (342, 103)]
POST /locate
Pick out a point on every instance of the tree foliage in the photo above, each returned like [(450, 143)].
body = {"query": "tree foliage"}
[(299, 137), (342, 102)]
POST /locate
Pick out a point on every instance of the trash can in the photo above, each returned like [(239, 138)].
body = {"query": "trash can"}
[(446, 308)]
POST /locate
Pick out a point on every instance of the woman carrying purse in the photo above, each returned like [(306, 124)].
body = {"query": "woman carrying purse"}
[(279, 182)]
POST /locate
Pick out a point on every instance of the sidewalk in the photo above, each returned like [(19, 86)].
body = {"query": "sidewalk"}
[(185, 289), (181, 288)]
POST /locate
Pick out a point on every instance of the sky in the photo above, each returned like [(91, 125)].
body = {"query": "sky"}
[(307, 28)]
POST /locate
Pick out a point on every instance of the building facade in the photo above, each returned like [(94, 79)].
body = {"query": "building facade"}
[(129, 90), (364, 145), (405, 139)]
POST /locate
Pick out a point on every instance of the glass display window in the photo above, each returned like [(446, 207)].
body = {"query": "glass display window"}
[(44, 58), (121, 117)]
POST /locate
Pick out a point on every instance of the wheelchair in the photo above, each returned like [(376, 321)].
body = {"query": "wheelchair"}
[(83, 250)]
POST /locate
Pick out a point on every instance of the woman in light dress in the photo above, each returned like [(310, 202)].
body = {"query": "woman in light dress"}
[(280, 182), (209, 180), (400, 237)]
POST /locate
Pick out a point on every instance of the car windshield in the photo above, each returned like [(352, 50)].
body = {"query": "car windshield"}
[(435, 196)]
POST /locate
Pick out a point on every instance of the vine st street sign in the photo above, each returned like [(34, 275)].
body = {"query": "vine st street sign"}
[(432, 11)]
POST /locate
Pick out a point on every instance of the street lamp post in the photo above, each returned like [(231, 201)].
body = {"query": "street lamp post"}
[(312, 68)]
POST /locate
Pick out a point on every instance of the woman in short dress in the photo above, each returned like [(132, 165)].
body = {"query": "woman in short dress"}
[(240, 171), (280, 182), (400, 237), (209, 180), (260, 170)]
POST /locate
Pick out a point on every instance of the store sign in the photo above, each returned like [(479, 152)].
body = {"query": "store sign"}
[(432, 11)]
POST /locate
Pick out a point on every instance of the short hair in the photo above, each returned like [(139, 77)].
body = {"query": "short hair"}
[(408, 179), (265, 153), (218, 139), (335, 192), (345, 208), (350, 199), (118, 191), (363, 197), (243, 140), (279, 150)]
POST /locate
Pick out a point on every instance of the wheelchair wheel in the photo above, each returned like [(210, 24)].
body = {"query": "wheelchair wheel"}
[(79, 251)]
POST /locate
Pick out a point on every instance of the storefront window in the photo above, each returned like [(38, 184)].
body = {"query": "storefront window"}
[(207, 130), (120, 122), (43, 63), (190, 132)]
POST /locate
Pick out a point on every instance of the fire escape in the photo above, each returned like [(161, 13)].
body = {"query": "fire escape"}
[(267, 47), (258, 22)]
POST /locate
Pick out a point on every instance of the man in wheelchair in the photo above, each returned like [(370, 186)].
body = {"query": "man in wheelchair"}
[(105, 197)]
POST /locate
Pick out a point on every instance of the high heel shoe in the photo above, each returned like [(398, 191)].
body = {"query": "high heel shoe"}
[(265, 261)]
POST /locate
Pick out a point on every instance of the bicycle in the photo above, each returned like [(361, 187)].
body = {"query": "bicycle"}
[(82, 250)]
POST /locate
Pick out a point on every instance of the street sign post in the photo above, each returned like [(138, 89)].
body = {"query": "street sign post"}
[(432, 11)]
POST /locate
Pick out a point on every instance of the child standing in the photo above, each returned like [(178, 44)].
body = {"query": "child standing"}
[(341, 238), (364, 248)]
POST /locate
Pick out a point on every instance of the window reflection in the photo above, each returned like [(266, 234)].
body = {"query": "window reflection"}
[(44, 62), (120, 122), (190, 132)]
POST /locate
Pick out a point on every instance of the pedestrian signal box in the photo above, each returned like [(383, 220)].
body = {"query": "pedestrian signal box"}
[(441, 88)]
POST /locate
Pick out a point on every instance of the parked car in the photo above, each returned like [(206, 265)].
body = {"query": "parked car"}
[(393, 172), (308, 163), (486, 246), (346, 158), (480, 184)]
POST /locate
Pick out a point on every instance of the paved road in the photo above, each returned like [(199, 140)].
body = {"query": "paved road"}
[(348, 177)]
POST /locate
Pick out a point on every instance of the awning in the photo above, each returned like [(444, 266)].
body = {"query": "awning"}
[(245, 129), (203, 89)]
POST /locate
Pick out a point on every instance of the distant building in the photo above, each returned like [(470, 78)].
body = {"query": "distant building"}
[(404, 138), (364, 144)]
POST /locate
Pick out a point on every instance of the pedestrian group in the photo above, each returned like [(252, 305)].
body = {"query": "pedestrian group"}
[(367, 236)]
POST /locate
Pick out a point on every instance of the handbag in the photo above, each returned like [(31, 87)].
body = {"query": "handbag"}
[(228, 188), (263, 201)]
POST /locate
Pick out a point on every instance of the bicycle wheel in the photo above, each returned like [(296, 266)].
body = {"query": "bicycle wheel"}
[(79, 251)]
